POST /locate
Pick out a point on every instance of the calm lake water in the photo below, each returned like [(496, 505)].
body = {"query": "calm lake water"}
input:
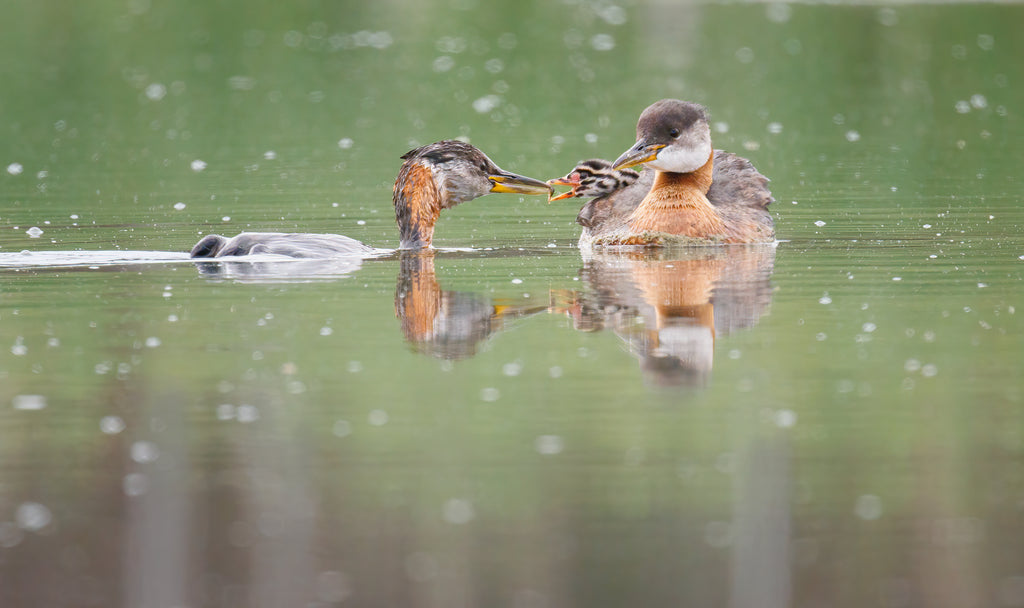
[(834, 421)]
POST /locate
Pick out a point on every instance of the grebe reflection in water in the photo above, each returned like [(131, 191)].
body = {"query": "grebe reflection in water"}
[(670, 306), (448, 324), (434, 177)]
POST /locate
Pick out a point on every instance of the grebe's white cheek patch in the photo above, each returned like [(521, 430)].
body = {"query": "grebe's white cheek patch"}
[(682, 158)]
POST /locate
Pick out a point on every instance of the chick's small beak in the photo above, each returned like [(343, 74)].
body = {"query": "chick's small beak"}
[(640, 153), (563, 181), (503, 181)]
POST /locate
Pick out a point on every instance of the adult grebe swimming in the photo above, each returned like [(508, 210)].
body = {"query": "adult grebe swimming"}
[(433, 177), (689, 194)]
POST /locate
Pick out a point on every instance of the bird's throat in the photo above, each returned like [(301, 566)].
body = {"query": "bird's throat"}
[(678, 204)]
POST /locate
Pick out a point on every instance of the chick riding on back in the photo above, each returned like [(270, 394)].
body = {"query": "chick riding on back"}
[(689, 194)]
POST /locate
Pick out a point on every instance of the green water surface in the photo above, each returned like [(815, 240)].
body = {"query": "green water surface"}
[(835, 421)]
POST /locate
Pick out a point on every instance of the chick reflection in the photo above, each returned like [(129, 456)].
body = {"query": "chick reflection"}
[(447, 324), (670, 306)]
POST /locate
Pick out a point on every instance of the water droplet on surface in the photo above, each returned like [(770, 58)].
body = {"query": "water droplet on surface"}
[(152, 342), (32, 516), (887, 16), (198, 165), (612, 14), (512, 369), (29, 402), (444, 63), (549, 445), (819, 223), (34, 232), (345, 143), (868, 507), (490, 394), (179, 206), (458, 511), (785, 419), (144, 452), (247, 413), (156, 91), (486, 103), (494, 66), (15, 168), (326, 331), (111, 425), (602, 42), (778, 12), (852, 136), (342, 428)]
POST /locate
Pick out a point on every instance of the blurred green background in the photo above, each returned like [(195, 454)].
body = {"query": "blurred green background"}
[(243, 436)]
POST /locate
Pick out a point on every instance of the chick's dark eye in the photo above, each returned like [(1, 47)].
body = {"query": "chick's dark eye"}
[(673, 132)]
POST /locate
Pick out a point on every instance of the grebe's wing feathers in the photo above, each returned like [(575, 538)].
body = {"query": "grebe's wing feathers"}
[(735, 182), (610, 212)]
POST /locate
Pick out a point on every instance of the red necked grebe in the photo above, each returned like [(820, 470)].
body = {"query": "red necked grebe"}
[(433, 177), (689, 193)]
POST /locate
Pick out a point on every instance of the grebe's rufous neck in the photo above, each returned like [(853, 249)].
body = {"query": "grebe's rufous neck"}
[(689, 194), (433, 177)]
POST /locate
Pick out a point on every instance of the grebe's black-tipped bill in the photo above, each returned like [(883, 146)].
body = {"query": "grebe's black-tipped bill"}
[(512, 183), (641, 152)]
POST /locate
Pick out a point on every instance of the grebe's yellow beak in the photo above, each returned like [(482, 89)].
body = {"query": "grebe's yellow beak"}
[(640, 153), (504, 181)]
